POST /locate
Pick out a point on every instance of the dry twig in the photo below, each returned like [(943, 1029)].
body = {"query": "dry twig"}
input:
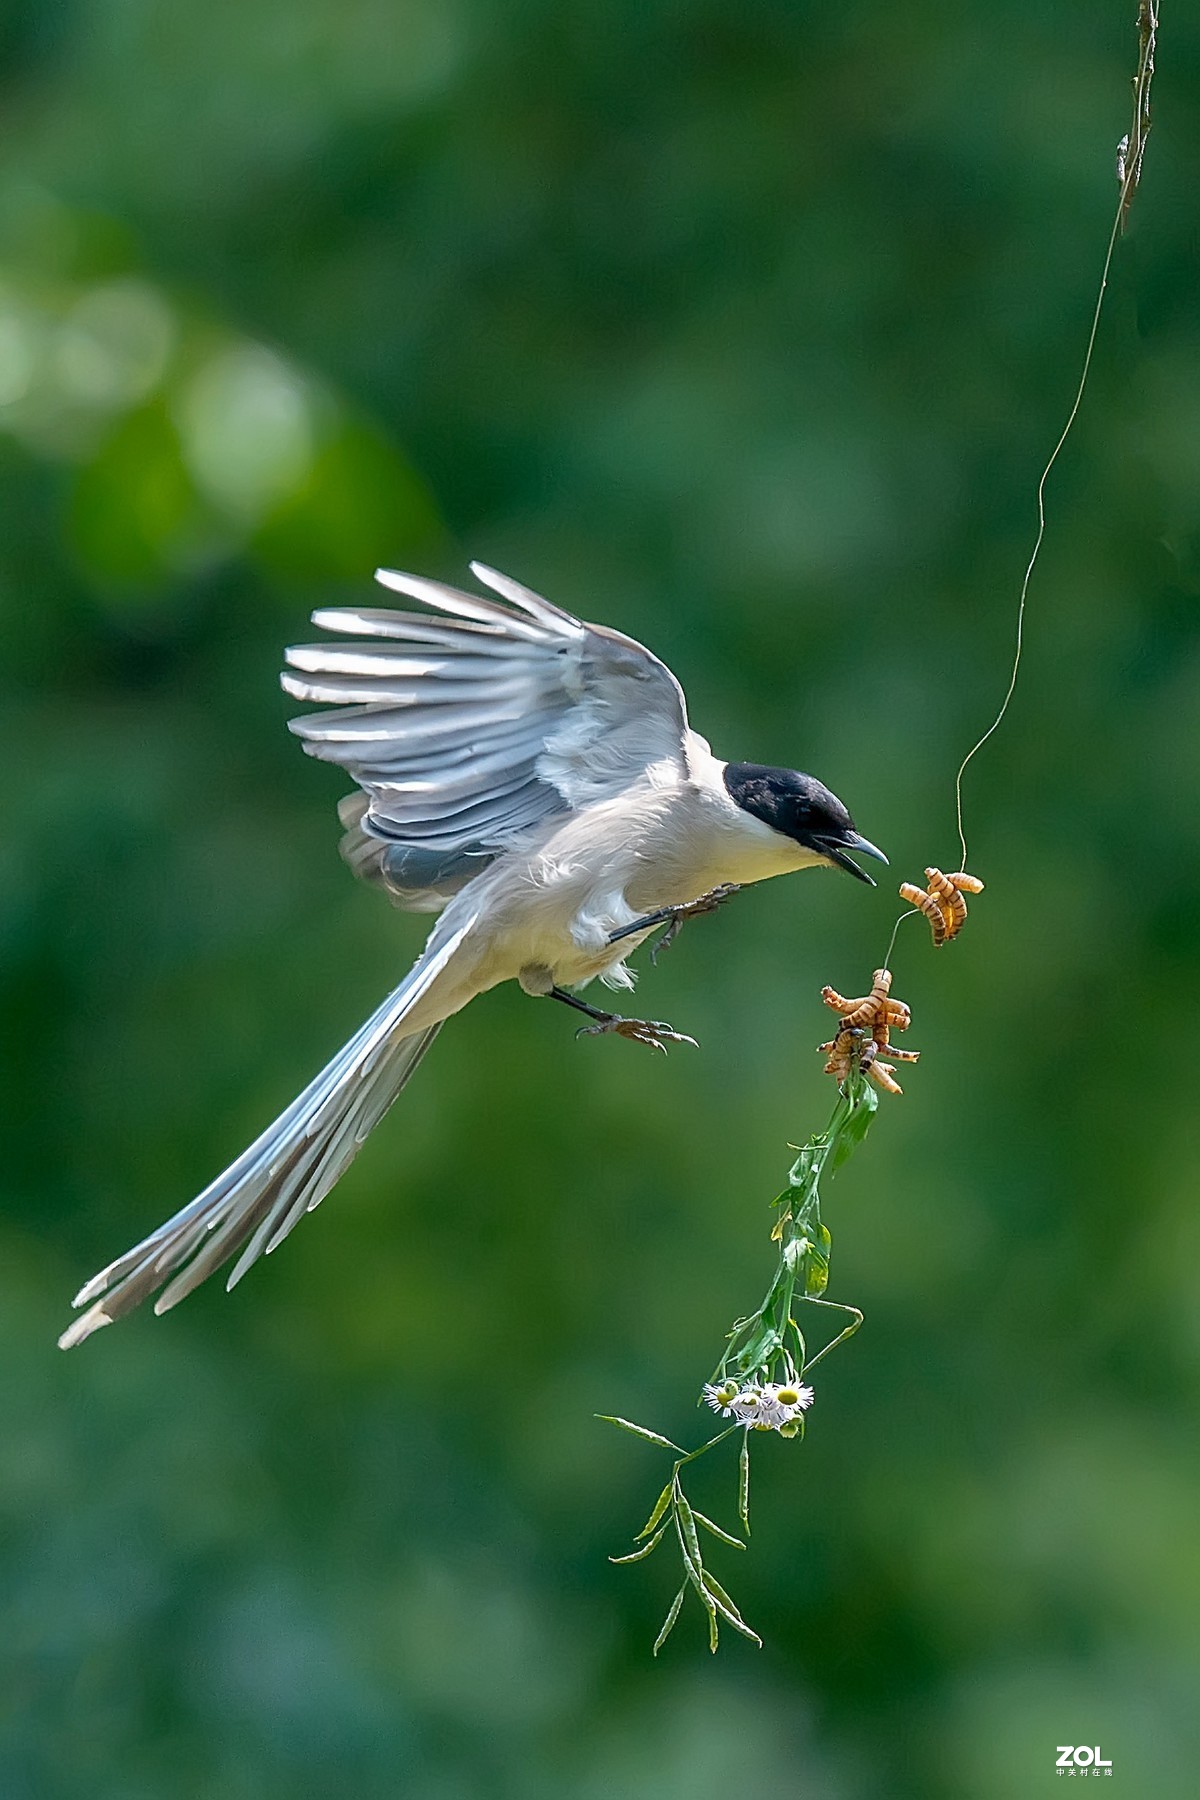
[(1132, 147)]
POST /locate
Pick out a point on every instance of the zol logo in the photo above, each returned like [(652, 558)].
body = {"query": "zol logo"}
[(1082, 1759)]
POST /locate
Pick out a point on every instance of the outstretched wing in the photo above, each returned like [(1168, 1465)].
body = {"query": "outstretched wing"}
[(464, 730)]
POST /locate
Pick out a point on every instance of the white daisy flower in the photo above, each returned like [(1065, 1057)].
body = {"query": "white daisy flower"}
[(770, 1411), (747, 1406), (788, 1398), (721, 1398)]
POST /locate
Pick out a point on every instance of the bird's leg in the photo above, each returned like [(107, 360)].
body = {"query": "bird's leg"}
[(641, 1031), (674, 916)]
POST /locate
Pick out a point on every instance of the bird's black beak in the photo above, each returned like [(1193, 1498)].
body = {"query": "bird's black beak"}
[(835, 849)]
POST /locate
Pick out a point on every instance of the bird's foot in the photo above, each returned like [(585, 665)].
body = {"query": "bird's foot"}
[(673, 917), (695, 909), (653, 1032)]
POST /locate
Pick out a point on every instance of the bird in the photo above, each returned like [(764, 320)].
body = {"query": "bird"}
[(531, 779)]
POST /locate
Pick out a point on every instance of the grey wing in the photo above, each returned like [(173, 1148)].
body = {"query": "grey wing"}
[(468, 729)]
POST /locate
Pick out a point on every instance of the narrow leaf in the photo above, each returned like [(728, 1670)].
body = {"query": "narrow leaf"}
[(637, 1555), (716, 1530), (856, 1126), (759, 1348), (744, 1484), (669, 1622), (728, 1610), (816, 1274), (642, 1431), (690, 1549), (660, 1507), (687, 1527)]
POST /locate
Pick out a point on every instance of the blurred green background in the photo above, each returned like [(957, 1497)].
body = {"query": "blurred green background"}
[(746, 330)]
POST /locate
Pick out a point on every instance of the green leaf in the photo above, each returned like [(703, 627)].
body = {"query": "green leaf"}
[(728, 1610), (808, 1163), (757, 1352), (642, 1431), (669, 1622), (689, 1546), (660, 1507), (856, 1126), (716, 1530), (816, 1263), (638, 1555), (696, 1578), (688, 1537)]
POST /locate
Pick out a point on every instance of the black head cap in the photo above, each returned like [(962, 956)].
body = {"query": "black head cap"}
[(802, 808)]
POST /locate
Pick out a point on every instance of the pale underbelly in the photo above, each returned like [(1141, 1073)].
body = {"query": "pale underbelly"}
[(677, 883), (550, 921)]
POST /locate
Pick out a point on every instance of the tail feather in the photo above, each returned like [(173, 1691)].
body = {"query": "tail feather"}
[(286, 1172)]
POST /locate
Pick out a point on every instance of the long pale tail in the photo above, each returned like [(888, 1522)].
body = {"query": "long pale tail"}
[(285, 1172)]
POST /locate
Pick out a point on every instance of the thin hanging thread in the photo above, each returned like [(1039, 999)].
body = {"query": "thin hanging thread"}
[(1130, 153), (1019, 647), (887, 960)]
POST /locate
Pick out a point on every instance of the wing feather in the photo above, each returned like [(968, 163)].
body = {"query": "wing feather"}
[(384, 690), (467, 729), (416, 628), (463, 606)]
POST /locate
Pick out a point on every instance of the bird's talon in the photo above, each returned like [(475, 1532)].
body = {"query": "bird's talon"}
[(675, 917), (655, 1033), (665, 941)]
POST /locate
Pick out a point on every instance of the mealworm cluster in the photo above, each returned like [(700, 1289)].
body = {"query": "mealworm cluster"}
[(943, 901), (864, 1029)]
